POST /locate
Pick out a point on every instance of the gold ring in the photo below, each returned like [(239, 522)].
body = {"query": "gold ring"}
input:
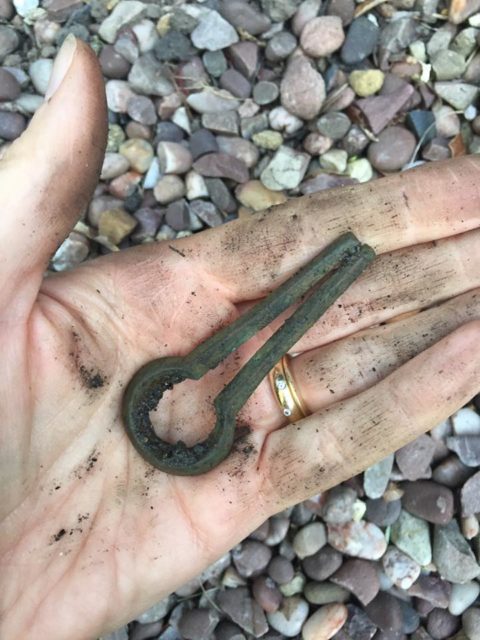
[(283, 387)]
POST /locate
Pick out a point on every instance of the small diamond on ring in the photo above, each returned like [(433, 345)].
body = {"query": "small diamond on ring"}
[(287, 412)]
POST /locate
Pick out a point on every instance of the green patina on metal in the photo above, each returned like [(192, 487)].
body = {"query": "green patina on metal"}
[(333, 270)]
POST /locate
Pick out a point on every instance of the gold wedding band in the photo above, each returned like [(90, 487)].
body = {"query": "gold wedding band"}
[(283, 387)]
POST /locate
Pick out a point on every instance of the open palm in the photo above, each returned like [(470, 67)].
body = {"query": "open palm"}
[(91, 532)]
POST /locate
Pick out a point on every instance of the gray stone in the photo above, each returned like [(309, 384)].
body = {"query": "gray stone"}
[(432, 589), (73, 250), (440, 39), (173, 47), (265, 92), (280, 570), (354, 141), (244, 16), (339, 504), (451, 472), (142, 109), (391, 152), (414, 458), (383, 513), (254, 124), (375, 478), (458, 94), (213, 32), (470, 496), (412, 536), (361, 40), (358, 625), (198, 624), (202, 142), (148, 76), (463, 596), (396, 36), (322, 564), (441, 624), (251, 558), (208, 101), (11, 125), (334, 124), (428, 500), (215, 63), (9, 41), (177, 215), (221, 165), (385, 611), (360, 577), (325, 593), (157, 612), (448, 64), (125, 12), (234, 82), (452, 554), (280, 46), (243, 610), (243, 150), (225, 122), (220, 195), (113, 64), (285, 170), (9, 87), (40, 72), (471, 623), (309, 539), (280, 10), (467, 449), (244, 57)]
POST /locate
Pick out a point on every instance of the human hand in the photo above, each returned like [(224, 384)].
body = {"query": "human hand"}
[(90, 534)]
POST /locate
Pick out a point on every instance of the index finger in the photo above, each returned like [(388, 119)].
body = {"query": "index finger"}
[(250, 257)]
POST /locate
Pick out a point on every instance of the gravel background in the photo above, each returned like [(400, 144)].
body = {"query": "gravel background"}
[(221, 108)]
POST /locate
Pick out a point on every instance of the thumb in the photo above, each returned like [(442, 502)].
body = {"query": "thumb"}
[(48, 174)]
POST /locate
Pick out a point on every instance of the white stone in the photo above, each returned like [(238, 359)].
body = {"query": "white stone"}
[(118, 94), (281, 120), (40, 72), (114, 164), (358, 539), (360, 170), (213, 32), (334, 160), (125, 12), (400, 568), (195, 186), (173, 157), (180, 118), (462, 596), (289, 619), (152, 176), (147, 35), (212, 101), (285, 170), (466, 422), (24, 7)]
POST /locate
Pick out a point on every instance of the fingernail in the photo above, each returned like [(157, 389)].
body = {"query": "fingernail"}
[(61, 65)]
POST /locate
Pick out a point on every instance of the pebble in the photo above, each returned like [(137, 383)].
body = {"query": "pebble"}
[(452, 554), (254, 195), (354, 141), (433, 589), (391, 152), (9, 41), (265, 92), (441, 624), (280, 10), (280, 570), (366, 82), (114, 164), (470, 495), (168, 189), (360, 577), (400, 568), (412, 536), (358, 625), (125, 12), (221, 165), (325, 622), (147, 76), (315, 143), (428, 500), (125, 185), (462, 597), (234, 82), (467, 449), (195, 186), (11, 125), (285, 170), (268, 139), (40, 72), (243, 610), (308, 10), (221, 196), (375, 478), (361, 40), (466, 422), (9, 86), (198, 624), (173, 47), (325, 593), (380, 110), (470, 527), (310, 539), (322, 36), (440, 39), (177, 215), (294, 587), (448, 64), (244, 16), (222, 123), (385, 612), (113, 64), (215, 63), (280, 46), (471, 623), (266, 593), (458, 94), (6, 9), (334, 125), (302, 90), (213, 32), (322, 564), (244, 57), (202, 142), (338, 505), (359, 539), (139, 154), (152, 176), (149, 221), (334, 160), (208, 101), (73, 250), (254, 124), (281, 120), (116, 225), (451, 472), (173, 157), (289, 619), (383, 513), (251, 558), (118, 94), (141, 109)]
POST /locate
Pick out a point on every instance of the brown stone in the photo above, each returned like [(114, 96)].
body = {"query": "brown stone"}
[(221, 165)]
